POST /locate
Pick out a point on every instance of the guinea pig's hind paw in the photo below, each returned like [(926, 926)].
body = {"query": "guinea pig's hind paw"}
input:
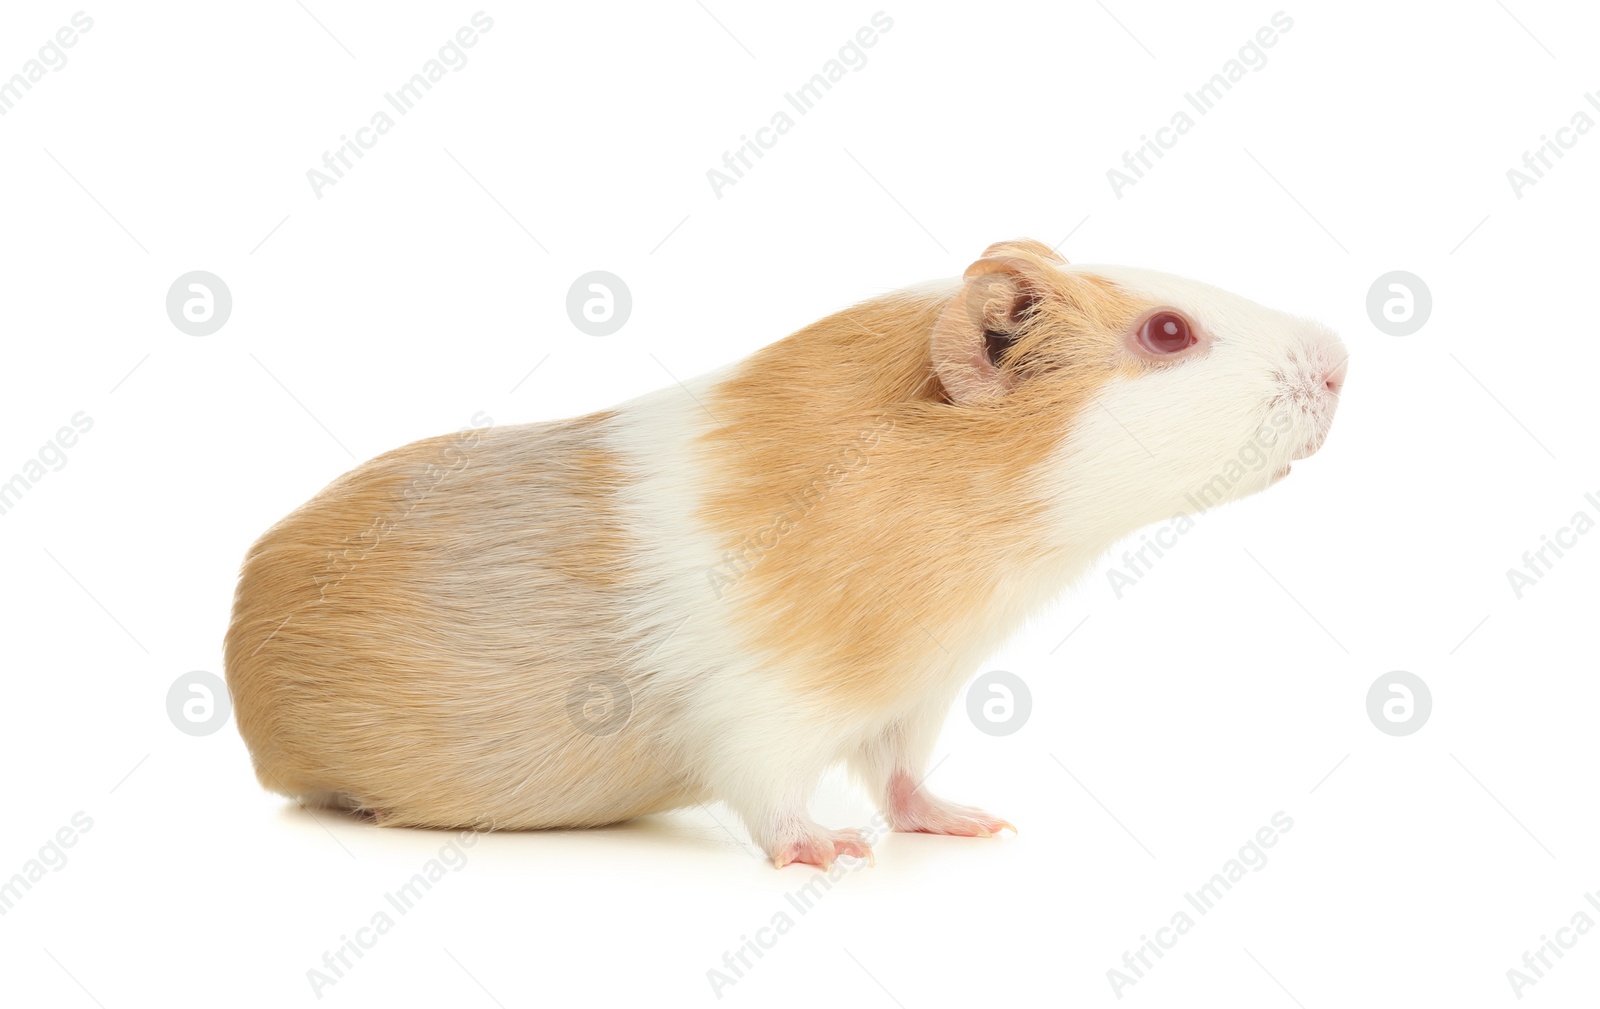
[(822, 848)]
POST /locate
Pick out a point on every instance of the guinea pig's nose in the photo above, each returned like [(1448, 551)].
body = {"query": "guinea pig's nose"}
[(1334, 378)]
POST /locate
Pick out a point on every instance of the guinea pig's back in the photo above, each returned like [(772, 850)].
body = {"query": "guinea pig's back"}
[(413, 640)]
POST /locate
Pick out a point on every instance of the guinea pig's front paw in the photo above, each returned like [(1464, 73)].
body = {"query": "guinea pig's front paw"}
[(821, 848), (913, 810)]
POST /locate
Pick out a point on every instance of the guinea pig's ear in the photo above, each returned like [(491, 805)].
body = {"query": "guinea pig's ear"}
[(969, 341), (1026, 246)]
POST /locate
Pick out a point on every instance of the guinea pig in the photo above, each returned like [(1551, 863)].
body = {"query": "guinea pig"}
[(723, 588)]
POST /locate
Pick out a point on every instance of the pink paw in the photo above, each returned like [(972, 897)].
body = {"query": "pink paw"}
[(821, 848), (912, 810), (940, 817)]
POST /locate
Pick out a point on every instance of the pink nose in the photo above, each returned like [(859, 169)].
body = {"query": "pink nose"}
[(1334, 379)]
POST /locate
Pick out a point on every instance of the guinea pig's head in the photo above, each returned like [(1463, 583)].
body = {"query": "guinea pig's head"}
[(1171, 396)]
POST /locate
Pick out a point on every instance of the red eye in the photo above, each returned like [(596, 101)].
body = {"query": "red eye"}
[(1166, 333)]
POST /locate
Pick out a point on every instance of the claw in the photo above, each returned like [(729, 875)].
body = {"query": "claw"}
[(822, 848)]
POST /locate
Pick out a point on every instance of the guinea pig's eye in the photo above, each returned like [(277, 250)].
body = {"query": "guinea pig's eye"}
[(1166, 333)]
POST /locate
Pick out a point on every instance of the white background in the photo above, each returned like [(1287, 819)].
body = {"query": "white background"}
[(1172, 724)]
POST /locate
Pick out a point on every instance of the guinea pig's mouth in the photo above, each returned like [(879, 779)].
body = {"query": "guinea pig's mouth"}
[(1323, 423), (1310, 448)]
